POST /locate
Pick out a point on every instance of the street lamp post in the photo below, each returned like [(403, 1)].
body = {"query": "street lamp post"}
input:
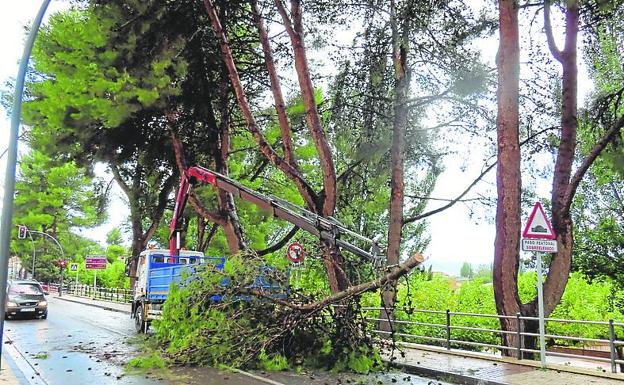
[(62, 255), (9, 178), (34, 252)]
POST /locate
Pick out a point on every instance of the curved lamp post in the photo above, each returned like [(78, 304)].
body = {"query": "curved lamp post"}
[(9, 179), (52, 238), (62, 256)]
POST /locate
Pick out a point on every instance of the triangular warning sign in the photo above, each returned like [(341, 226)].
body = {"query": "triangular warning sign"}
[(538, 226)]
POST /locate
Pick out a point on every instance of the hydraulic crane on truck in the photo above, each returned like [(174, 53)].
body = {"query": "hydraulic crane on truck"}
[(158, 269), (327, 229)]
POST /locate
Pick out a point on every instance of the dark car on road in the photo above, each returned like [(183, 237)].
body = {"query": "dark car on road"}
[(25, 299)]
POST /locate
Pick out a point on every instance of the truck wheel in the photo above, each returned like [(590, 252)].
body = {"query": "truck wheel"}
[(139, 322)]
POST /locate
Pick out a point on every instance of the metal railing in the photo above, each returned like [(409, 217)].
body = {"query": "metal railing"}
[(441, 333), (104, 293)]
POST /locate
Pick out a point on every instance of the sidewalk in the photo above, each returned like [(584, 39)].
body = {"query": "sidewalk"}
[(108, 305), (465, 368), (7, 375)]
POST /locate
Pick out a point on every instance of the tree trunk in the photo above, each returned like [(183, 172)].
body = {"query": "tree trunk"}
[(138, 245), (508, 177), (133, 193), (395, 228), (326, 202), (507, 231), (294, 28), (530, 342), (561, 262), (232, 228), (334, 262)]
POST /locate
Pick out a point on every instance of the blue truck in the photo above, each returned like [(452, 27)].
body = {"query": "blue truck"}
[(157, 272)]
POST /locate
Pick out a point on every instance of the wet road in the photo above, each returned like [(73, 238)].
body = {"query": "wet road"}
[(81, 344), (74, 345)]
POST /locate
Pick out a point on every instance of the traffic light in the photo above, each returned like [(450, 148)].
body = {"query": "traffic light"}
[(21, 232)]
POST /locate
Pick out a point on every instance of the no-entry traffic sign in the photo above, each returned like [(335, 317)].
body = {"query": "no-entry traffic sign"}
[(96, 263), (295, 252)]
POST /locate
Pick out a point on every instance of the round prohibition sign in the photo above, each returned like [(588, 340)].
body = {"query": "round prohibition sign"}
[(295, 252)]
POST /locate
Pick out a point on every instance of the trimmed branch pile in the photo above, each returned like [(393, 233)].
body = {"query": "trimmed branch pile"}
[(245, 317)]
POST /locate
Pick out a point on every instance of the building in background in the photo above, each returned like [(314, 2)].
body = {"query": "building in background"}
[(16, 270)]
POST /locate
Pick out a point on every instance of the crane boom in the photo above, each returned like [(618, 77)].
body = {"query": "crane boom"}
[(327, 229)]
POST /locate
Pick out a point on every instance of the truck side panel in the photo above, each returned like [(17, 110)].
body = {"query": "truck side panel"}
[(162, 275)]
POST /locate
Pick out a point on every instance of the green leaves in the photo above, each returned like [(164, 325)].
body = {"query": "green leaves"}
[(242, 329), (54, 198), (85, 80)]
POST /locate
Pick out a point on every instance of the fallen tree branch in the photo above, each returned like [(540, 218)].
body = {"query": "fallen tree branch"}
[(395, 273)]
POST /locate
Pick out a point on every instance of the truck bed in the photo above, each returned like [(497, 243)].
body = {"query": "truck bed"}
[(162, 275)]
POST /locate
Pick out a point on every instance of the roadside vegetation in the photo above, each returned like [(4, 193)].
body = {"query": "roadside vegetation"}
[(219, 321), (581, 301)]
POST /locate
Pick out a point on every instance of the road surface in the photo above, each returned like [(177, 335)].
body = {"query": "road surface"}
[(81, 344)]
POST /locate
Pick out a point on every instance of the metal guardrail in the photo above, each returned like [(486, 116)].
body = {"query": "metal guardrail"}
[(104, 293), (447, 341), (615, 358)]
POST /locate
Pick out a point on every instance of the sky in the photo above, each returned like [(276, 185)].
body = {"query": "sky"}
[(456, 236)]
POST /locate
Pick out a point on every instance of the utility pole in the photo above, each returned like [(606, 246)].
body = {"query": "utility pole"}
[(9, 178)]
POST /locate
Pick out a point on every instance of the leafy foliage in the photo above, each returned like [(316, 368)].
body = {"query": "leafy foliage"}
[(220, 318), (581, 301), (599, 249), (54, 198)]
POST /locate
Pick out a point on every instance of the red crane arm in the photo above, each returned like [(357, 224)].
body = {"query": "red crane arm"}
[(190, 177), (328, 229)]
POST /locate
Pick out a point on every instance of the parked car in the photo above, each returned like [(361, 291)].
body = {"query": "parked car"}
[(25, 299)]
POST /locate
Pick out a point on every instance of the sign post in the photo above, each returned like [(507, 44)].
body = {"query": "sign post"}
[(538, 236), (74, 267), (62, 265), (95, 262)]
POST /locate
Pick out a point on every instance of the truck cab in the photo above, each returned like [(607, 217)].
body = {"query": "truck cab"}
[(156, 272), (157, 258)]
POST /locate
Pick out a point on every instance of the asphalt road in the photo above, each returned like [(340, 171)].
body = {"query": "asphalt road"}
[(81, 344), (75, 345)]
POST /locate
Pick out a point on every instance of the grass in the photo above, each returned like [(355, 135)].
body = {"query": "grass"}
[(145, 362)]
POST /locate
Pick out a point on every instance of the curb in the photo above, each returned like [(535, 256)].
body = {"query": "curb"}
[(22, 369), (255, 377), (505, 360), (95, 305), (14, 373)]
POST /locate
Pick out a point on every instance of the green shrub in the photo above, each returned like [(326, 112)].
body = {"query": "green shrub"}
[(149, 361), (243, 330), (581, 301), (274, 362)]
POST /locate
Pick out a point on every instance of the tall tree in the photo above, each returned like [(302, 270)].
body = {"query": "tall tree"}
[(466, 270), (599, 206), (565, 181), (508, 178), (325, 202), (54, 198), (90, 105)]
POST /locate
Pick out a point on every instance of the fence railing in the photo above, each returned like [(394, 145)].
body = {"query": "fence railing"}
[(441, 333), (104, 293)]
